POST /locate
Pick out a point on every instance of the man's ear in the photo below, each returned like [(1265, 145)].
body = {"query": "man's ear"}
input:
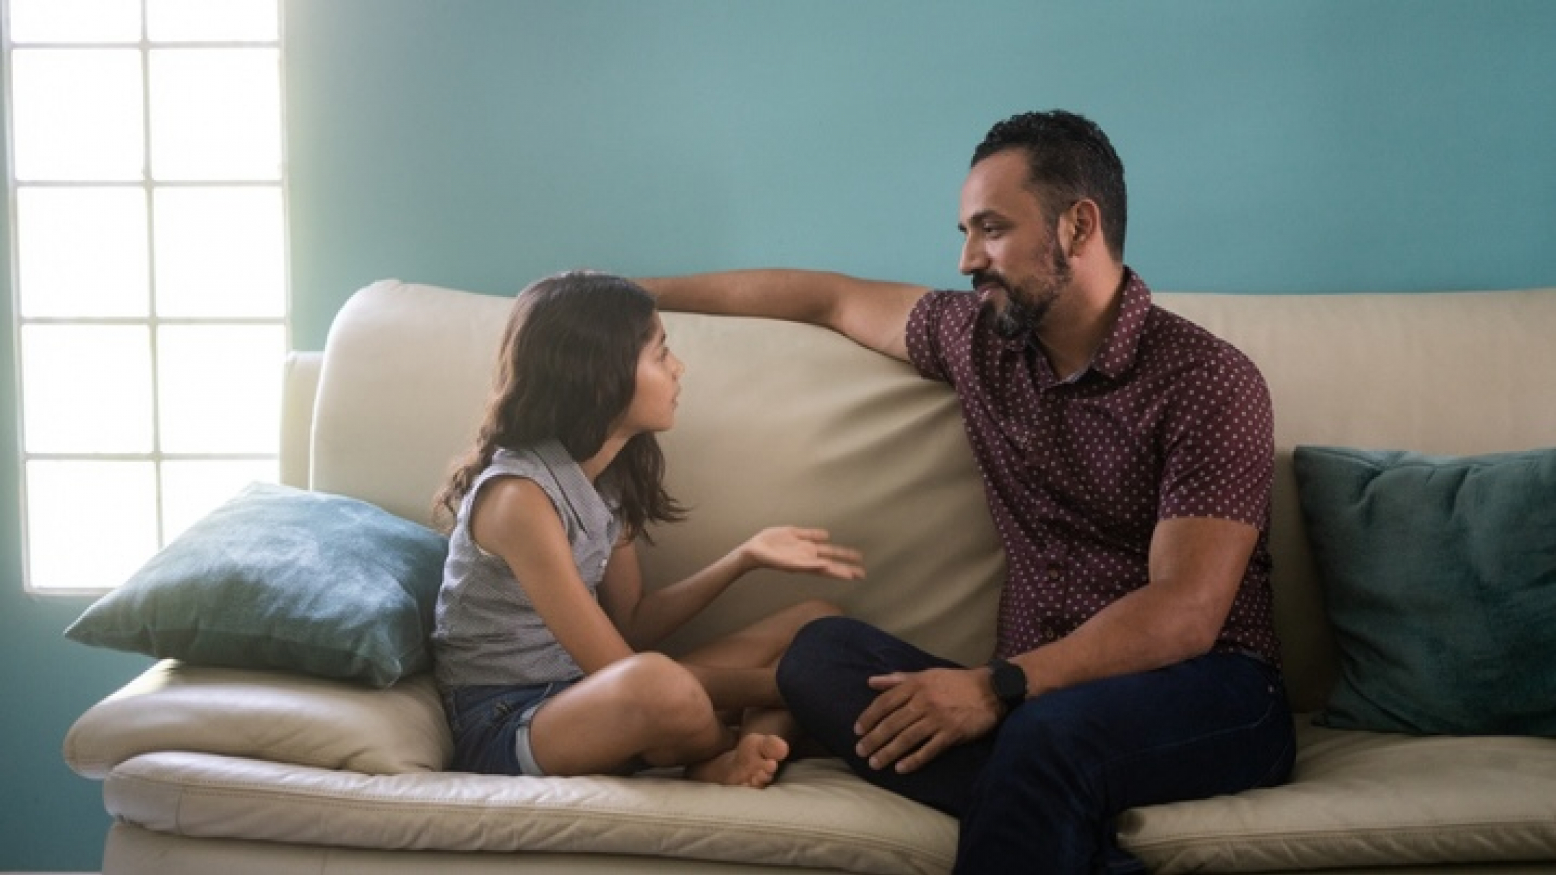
[(1085, 226)]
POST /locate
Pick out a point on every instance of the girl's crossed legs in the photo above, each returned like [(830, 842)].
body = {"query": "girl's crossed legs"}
[(716, 711)]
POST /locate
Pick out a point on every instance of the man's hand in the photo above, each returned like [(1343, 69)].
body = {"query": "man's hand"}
[(791, 548), (920, 714)]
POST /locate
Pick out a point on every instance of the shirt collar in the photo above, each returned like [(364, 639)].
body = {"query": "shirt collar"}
[(593, 511), (1116, 354)]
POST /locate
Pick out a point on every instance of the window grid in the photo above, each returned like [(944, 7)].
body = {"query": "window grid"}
[(152, 321)]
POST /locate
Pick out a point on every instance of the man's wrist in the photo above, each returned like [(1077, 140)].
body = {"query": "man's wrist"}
[(1009, 682)]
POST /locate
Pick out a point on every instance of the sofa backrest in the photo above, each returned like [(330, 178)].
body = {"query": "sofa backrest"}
[(786, 423), (1447, 373)]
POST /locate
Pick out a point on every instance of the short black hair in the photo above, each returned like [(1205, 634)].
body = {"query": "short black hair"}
[(1069, 158)]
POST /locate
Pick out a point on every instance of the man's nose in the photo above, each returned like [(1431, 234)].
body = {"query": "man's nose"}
[(973, 257)]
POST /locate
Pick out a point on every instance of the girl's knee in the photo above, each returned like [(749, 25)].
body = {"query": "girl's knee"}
[(825, 632), (678, 720), (792, 620), (654, 681), (814, 609)]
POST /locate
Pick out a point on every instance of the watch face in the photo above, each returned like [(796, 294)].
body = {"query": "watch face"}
[(1010, 682)]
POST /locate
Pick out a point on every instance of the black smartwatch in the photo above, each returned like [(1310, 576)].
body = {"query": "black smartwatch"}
[(1009, 682)]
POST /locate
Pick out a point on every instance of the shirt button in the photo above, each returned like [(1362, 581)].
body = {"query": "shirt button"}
[(1053, 574)]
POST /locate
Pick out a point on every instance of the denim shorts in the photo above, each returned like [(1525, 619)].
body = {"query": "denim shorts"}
[(491, 726)]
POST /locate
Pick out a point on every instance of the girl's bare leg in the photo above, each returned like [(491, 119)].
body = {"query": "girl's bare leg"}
[(738, 672), (738, 669), (646, 708), (654, 710)]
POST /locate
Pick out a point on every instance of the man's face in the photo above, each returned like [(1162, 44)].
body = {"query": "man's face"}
[(1009, 249)]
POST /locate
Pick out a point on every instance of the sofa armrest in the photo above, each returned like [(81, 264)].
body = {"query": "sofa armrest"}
[(299, 387), (265, 715)]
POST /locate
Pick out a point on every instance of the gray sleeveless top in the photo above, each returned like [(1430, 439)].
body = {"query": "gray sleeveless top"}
[(486, 629)]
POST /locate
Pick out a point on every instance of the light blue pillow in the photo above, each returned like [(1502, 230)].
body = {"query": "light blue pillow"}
[(283, 578), (1439, 576)]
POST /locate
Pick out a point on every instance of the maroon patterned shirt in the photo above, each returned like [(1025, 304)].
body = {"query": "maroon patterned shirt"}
[(1166, 421)]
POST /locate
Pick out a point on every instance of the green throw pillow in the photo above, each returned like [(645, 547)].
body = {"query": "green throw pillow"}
[(1440, 579), (283, 578)]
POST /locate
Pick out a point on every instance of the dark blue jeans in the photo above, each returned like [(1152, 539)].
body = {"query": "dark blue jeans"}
[(1041, 794)]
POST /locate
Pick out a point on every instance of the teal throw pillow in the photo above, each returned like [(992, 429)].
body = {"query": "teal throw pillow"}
[(1439, 575), (283, 578)]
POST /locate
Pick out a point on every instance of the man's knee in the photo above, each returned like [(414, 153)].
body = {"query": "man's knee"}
[(822, 652), (813, 645)]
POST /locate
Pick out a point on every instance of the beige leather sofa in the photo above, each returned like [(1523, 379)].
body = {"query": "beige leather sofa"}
[(217, 770)]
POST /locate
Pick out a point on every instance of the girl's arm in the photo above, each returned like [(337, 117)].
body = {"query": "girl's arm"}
[(514, 519), (646, 618)]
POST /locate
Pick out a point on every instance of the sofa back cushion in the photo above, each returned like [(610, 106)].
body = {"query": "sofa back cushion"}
[(1447, 373), (777, 423)]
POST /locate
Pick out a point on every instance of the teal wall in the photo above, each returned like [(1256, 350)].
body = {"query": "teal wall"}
[(1280, 146)]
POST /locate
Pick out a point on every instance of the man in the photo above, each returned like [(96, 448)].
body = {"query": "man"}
[(1127, 456)]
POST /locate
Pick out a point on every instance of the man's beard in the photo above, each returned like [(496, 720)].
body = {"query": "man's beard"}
[(1025, 308)]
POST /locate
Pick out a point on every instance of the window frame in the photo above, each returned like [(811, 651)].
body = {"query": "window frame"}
[(153, 322)]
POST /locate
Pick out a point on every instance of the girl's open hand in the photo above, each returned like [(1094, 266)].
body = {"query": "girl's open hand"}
[(791, 548)]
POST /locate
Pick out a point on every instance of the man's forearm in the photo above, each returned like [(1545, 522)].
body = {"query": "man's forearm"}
[(871, 312), (796, 295)]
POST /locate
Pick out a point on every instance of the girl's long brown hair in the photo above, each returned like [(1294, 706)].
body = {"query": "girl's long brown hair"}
[(567, 370)]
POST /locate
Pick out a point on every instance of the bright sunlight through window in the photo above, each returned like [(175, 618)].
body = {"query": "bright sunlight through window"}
[(148, 259)]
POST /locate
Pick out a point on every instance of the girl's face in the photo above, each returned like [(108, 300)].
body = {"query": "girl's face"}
[(658, 385)]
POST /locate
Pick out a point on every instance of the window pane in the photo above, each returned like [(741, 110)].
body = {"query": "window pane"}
[(221, 388), (86, 389), (55, 225), (192, 489), (77, 114), (75, 21), (190, 20), (90, 524), (215, 114), (220, 252)]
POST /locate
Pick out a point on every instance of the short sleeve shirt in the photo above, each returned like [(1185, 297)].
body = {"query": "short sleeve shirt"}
[(1166, 421), (486, 630)]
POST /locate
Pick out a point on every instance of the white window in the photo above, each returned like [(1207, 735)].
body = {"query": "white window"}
[(148, 257)]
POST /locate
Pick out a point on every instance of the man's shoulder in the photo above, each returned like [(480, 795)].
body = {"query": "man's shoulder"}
[(1186, 344), (1166, 326)]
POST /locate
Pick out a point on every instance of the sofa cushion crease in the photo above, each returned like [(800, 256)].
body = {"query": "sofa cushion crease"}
[(1361, 799), (818, 817), (275, 715)]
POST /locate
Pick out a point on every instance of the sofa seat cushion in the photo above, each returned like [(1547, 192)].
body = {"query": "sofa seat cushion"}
[(817, 815), (274, 715), (1367, 799)]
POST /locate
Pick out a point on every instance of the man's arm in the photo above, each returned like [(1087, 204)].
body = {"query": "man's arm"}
[(872, 313), (1196, 567)]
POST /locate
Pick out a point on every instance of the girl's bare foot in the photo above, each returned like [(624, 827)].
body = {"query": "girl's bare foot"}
[(752, 762)]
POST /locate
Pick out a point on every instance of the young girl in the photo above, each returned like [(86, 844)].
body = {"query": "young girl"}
[(543, 624)]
